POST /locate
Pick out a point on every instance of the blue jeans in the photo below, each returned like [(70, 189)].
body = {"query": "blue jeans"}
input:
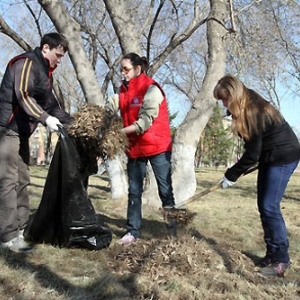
[(136, 169), (271, 185)]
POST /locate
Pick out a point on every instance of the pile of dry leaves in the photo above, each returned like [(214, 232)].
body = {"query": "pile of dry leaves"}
[(96, 134), (181, 216)]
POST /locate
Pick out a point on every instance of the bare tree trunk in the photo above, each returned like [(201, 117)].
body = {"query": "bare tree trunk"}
[(86, 76), (150, 195), (70, 29), (188, 134), (122, 20), (134, 29), (115, 171)]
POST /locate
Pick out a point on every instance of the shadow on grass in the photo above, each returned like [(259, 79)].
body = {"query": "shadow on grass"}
[(204, 184), (101, 188), (150, 228), (39, 186), (219, 250), (102, 288), (229, 265), (43, 275), (106, 286), (287, 197), (37, 177), (255, 259)]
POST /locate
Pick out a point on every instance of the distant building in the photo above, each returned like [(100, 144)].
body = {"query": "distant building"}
[(41, 147)]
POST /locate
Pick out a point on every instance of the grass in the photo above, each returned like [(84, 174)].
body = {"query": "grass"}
[(213, 257)]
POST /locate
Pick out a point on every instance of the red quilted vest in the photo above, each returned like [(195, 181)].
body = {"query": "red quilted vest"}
[(157, 138)]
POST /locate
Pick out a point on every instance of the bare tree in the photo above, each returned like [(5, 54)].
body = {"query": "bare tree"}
[(128, 35), (66, 25), (188, 44), (264, 48), (188, 134)]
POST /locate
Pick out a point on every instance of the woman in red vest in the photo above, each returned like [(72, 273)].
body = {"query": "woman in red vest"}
[(143, 107)]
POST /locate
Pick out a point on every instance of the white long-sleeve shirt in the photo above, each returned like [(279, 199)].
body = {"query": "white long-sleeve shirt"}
[(148, 111)]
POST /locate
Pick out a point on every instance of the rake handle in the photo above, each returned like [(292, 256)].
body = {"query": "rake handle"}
[(211, 189), (200, 194)]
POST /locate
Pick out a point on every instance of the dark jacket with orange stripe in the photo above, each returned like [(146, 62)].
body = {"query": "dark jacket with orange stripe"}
[(26, 96), (155, 140)]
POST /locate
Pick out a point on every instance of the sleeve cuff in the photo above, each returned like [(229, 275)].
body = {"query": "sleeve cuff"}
[(43, 118)]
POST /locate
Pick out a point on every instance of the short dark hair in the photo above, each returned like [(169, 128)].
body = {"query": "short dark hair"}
[(136, 60), (54, 39)]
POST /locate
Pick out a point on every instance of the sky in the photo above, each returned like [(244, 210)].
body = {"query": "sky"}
[(290, 108)]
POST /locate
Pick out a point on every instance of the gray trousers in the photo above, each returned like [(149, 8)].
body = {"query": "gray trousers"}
[(14, 179)]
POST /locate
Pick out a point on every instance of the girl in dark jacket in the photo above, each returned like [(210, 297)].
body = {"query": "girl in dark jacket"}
[(270, 142)]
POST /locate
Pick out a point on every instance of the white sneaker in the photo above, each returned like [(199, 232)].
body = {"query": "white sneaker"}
[(21, 234), (17, 245), (127, 239)]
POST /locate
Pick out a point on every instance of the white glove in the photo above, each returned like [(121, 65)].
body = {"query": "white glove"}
[(226, 183), (53, 123)]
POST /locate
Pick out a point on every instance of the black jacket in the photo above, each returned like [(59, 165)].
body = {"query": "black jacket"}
[(26, 95), (277, 145)]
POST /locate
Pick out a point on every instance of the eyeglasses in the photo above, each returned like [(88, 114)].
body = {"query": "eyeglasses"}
[(125, 69)]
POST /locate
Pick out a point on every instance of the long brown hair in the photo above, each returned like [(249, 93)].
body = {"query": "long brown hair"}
[(251, 113)]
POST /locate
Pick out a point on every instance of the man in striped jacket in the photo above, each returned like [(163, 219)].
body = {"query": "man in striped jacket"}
[(26, 99)]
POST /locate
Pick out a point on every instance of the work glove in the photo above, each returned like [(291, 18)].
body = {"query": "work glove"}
[(53, 123), (225, 183)]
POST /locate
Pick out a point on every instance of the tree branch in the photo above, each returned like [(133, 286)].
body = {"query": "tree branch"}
[(5, 29)]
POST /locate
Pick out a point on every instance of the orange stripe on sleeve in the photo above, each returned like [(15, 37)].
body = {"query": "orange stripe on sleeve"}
[(30, 104)]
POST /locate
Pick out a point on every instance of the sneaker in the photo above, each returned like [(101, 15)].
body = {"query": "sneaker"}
[(21, 233), (127, 239), (264, 262), (169, 207), (277, 268), (17, 245)]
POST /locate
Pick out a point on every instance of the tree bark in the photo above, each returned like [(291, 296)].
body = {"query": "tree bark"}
[(117, 177), (4, 28), (87, 79), (66, 25), (188, 134), (122, 21), (131, 22)]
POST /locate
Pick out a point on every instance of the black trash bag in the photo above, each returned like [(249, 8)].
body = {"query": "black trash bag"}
[(66, 216)]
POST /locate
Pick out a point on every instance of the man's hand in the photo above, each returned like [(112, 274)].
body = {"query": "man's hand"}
[(53, 123), (225, 183)]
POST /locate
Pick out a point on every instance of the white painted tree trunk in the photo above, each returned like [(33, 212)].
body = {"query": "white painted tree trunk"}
[(150, 195), (183, 176), (188, 134), (118, 178)]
